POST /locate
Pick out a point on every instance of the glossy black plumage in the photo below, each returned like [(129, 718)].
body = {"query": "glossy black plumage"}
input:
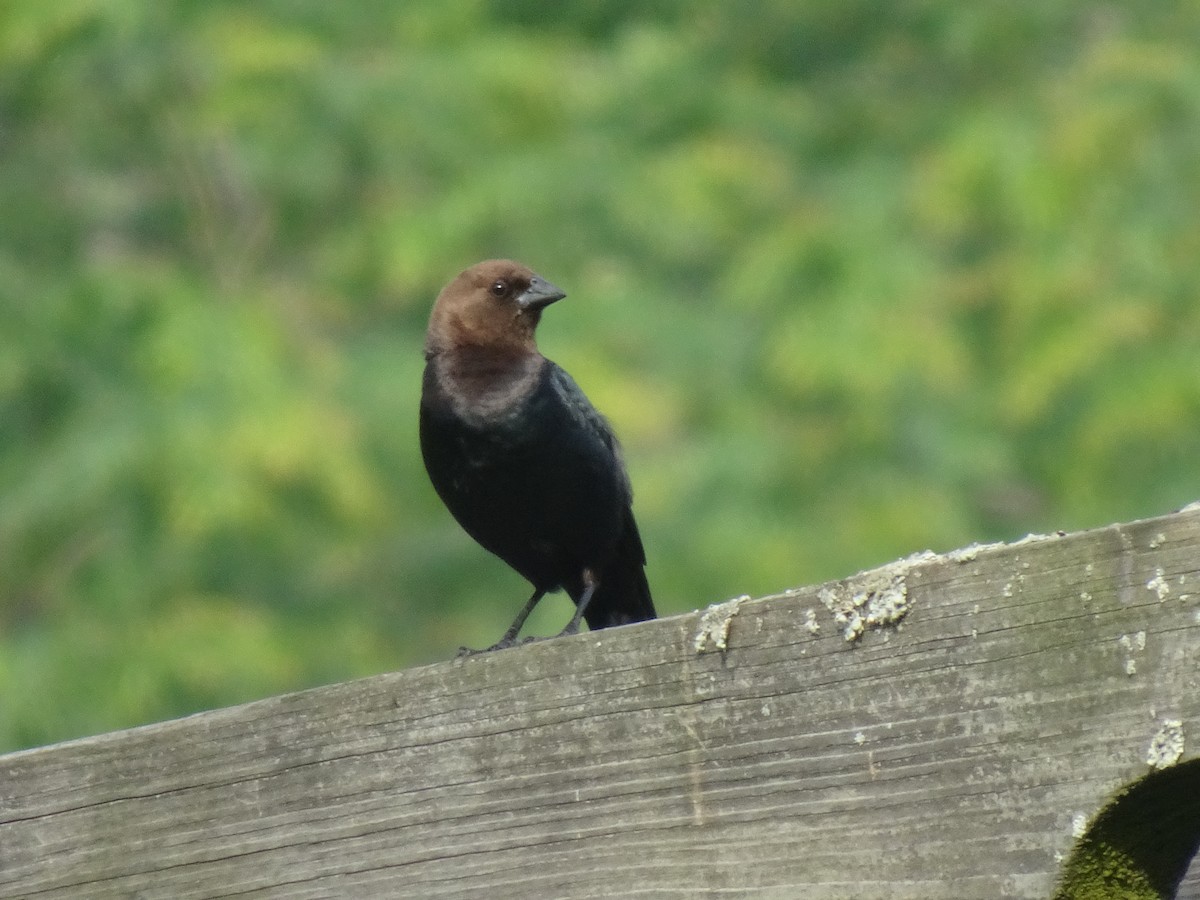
[(519, 455)]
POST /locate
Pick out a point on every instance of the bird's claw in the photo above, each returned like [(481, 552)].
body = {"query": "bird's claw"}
[(464, 652)]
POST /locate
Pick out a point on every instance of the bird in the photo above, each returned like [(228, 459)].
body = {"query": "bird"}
[(520, 456)]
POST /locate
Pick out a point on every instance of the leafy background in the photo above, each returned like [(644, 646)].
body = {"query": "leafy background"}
[(851, 280)]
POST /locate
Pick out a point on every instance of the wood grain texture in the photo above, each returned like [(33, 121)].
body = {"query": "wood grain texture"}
[(947, 757)]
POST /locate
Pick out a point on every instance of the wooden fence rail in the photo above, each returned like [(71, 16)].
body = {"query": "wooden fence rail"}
[(942, 727)]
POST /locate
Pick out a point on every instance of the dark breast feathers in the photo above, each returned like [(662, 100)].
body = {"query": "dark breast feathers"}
[(533, 472)]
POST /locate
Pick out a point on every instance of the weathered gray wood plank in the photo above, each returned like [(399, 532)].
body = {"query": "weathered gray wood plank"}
[(946, 759)]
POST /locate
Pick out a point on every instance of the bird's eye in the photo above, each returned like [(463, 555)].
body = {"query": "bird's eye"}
[(499, 287)]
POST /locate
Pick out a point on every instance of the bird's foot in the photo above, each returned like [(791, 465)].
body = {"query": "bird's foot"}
[(503, 644), (571, 629), (511, 641)]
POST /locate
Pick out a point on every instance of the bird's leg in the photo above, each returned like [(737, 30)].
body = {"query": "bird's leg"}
[(581, 607), (510, 636), (514, 629)]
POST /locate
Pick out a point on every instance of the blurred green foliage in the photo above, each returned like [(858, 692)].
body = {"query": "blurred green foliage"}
[(851, 280)]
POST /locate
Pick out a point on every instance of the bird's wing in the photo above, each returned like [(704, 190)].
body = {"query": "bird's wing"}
[(589, 418)]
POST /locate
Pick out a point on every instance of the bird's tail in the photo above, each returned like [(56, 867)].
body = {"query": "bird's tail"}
[(622, 594)]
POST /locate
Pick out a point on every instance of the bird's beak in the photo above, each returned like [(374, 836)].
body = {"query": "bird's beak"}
[(539, 294)]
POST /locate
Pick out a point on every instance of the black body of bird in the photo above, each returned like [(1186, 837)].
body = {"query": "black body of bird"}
[(519, 455)]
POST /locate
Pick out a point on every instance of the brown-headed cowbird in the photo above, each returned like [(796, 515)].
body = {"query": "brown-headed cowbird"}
[(521, 457)]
